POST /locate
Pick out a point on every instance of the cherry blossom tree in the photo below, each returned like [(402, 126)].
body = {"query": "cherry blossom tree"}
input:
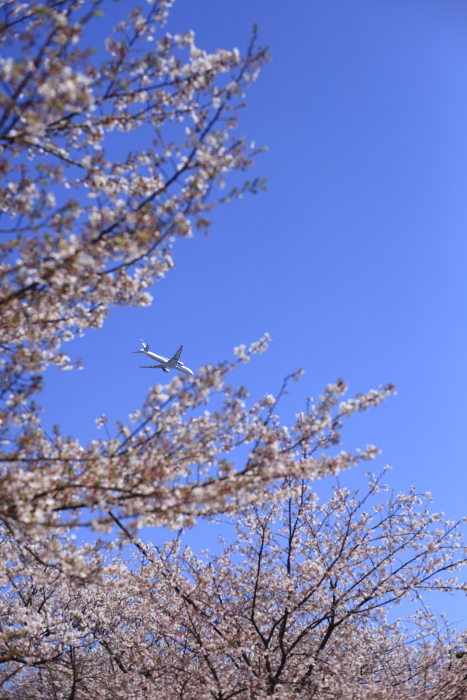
[(87, 224), (298, 605)]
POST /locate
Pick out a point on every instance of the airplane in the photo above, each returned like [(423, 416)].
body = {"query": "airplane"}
[(164, 362)]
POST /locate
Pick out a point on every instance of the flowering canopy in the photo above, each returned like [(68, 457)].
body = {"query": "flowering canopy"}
[(295, 607)]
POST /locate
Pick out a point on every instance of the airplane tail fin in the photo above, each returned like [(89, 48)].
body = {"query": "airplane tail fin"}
[(144, 348)]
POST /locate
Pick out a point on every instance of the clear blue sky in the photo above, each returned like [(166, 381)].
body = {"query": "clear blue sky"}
[(354, 260)]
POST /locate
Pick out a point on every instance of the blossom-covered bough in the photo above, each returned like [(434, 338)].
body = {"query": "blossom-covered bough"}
[(88, 221)]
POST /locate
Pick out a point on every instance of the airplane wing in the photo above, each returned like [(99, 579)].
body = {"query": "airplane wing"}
[(162, 367), (176, 357)]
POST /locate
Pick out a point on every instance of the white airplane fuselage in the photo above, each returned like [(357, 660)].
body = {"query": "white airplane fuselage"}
[(166, 363), (156, 358)]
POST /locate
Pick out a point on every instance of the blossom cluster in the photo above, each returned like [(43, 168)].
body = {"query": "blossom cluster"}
[(297, 605), (84, 229)]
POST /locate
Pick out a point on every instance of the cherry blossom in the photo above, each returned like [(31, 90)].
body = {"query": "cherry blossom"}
[(297, 605)]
